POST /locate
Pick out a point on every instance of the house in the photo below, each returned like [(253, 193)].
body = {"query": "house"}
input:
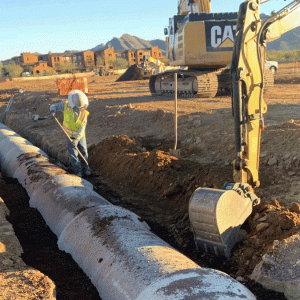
[(29, 59), (133, 56), (105, 56), (130, 56), (88, 59), (154, 52), (42, 68), (80, 61), (55, 60)]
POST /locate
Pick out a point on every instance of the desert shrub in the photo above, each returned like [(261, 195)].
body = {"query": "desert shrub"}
[(1, 70), (67, 67), (284, 56), (119, 63), (100, 60), (28, 69), (13, 70), (50, 72)]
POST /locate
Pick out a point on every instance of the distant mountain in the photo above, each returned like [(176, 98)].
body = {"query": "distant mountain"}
[(159, 43), (71, 51), (127, 41), (99, 47)]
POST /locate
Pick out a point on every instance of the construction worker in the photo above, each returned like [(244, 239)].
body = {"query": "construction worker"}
[(75, 120)]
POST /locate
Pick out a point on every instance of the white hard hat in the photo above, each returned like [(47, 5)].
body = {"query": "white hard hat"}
[(77, 98)]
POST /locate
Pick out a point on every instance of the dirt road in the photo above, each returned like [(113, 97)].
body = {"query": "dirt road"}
[(129, 135)]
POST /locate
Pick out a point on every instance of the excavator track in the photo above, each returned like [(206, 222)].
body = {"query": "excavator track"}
[(268, 80), (207, 85), (190, 84), (198, 84)]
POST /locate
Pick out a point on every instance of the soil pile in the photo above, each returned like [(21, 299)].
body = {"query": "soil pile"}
[(268, 222), (162, 186), (132, 73), (161, 183)]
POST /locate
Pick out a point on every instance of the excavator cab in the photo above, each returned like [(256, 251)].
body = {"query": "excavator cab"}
[(216, 215)]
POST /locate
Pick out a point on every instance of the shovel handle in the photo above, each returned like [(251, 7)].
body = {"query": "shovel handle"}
[(7, 109), (70, 140)]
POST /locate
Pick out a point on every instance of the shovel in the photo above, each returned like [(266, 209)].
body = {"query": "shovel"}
[(71, 141), (175, 152), (8, 106)]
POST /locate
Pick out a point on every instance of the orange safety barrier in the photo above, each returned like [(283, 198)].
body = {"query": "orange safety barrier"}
[(66, 85)]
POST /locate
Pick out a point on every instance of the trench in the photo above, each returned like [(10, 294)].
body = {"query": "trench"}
[(41, 251), (39, 242), (40, 248)]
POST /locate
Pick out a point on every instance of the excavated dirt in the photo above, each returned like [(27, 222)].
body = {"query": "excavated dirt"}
[(129, 136), (132, 73)]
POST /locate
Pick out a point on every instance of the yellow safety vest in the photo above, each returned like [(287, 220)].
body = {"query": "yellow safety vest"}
[(69, 124)]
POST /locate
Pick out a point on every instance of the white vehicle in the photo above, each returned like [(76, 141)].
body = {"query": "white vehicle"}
[(271, 65), (26, 74)]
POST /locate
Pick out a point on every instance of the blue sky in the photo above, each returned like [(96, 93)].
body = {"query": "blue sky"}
[(59, 25)]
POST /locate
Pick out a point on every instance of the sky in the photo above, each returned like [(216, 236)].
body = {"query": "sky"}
[(60, 25)]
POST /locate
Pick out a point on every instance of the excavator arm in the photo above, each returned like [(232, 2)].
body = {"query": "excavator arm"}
[(216, 215), (193, 6), (247, 71), (158, 65)]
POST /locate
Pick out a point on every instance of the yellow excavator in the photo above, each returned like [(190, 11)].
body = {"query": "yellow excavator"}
[(152, 64), (216, 215), (201, 43)]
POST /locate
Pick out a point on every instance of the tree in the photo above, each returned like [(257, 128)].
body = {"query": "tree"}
[(119, 63), (28, 69), (67, 67), (100, 60), (50, 72), (1, 70), (13, 70)]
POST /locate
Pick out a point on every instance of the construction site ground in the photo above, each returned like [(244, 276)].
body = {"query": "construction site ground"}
[(129, 136)]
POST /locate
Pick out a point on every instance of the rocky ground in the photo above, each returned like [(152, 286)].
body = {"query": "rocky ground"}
[(129, 136)]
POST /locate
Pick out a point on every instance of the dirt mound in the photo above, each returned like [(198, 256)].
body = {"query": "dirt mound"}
[(163, 185), (132, 73), (268, 222)]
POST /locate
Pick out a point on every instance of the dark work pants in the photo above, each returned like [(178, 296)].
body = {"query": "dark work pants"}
[(78, 165)]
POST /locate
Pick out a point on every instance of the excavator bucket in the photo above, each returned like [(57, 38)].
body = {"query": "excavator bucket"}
[(216, 217)]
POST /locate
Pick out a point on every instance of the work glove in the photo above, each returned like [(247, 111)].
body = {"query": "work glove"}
[(75, 143), (52, 113)]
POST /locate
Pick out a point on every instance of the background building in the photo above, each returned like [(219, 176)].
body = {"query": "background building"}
[(83, 61)]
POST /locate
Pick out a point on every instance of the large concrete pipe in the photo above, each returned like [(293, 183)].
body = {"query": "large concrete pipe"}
[(119, 253)]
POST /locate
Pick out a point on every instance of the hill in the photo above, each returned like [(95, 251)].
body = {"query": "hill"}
[(127, 41)]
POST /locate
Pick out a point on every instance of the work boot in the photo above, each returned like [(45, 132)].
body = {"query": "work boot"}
[(79, 174), (87, 172)]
